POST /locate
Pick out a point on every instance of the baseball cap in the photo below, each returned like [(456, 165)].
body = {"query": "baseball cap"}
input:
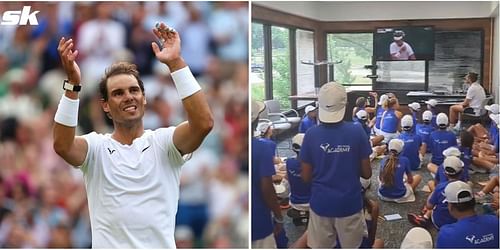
[(495, 118), (432, 102), (407, 121), (427, 115), (383, 98), (263, 127), (442, 119), (297, 141), (257, 108), (398, 35), (332, 100), (414, 105), (493, 108), (362, 115), (458, 192), (452, 165), (309, 108), (452, 151), (397, 145), (417, 238)]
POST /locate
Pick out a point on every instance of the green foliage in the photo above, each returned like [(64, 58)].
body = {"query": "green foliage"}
[(281, 66)]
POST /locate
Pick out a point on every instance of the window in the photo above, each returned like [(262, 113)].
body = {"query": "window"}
[(305, 73), (281, 65), (354, 50), (257, 63), (405, 75)]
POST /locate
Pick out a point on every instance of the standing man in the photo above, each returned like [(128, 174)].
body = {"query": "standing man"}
[(471, 230), (264, 199), (399, 49), (334, 155), (474, 99), (131, 175), (309, 119)]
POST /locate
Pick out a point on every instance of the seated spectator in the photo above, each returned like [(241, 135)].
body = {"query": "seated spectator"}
[(414, 107), (362, 102), (487, 134), (361, 119), (470, 230), (412, 142), (441, 139), (393, 186), (389, 123), (432, 106)]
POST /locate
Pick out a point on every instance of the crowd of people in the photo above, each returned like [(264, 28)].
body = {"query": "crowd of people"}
[(42, 199), (332, 170)]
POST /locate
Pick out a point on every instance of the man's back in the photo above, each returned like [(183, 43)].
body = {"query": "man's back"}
[(133, 190), (335, 152), (477, 231)]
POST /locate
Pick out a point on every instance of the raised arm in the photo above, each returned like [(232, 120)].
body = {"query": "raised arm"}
[(190, 134), (71, 148)]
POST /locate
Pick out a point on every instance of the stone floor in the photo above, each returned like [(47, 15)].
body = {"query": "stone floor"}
[(392, 232)]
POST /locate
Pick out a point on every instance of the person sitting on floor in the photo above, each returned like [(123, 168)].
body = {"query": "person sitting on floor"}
[(412, 143), (389, 124), (414, 107), (441, 139), (375, 122), (392, 170), (482, 134), (432, 106), (424, 130), (361, 103), (361, 119), (485, 154)]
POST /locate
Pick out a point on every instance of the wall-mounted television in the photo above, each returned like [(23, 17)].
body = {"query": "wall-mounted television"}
[(403, 43)]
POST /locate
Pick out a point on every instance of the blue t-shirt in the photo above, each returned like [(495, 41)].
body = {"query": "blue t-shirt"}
[(262, 166), (390, 121), (300, 192), (440, 214), (414, 115), (434, 116), (378, 117), (270, 143), (411, 148), (398, 189), (477, 231), (335, 152), (441, 176), (441, 140), (424, 131), (306, 123), (466, 158), (363, 125)]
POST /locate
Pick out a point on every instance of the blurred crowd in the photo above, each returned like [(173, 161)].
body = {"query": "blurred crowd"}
[(42, 199)]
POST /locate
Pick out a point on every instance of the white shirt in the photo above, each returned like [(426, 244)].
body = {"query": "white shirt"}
[(476, 95), (133, 190), (401, 55)]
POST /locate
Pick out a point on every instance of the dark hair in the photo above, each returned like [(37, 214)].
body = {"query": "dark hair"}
[(8, 129), (360, 102), (466, 139), (390, 169), (118, 69), (473, 76), (465, 206)]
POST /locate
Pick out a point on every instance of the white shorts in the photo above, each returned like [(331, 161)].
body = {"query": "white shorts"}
[(388, 136), (322, 232), (267, 242), (408, 197), (300, 207)]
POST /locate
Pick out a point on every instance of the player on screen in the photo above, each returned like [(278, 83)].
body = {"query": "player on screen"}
[(131, 175), (399, 49)]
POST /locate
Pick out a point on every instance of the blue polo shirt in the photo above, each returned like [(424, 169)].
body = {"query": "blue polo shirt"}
[(411, 148), (434, 116), (424, 131), (390, 121), (335, 152), (398, 189), (466, 158), (441, 140), (306, 123), (440, 214), (378, 117), (477, 231), (363, 125), (270, 143), (262, 166), (441, 176), (414, 115), (300, 192)]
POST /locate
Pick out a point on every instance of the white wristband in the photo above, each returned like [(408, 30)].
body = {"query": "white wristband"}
[(185, 82), (67, 112)]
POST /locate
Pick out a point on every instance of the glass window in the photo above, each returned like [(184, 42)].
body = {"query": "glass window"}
[(257, 68), (401, 71), (305, 73), (354, 50), (281, 65)]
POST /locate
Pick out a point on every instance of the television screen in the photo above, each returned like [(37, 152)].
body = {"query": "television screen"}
[(403, 43)]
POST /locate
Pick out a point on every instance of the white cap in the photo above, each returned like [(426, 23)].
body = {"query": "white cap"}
[(432, 102), (414, 105), (417, 238), (263, 127), (310, 108), (427, 115), (495, 118), (383, 98), (362, 115), (298, 139), (365, 183), (458, 192), (257, 108), (452, 165), (407, 121), (442, 119), (397, 145), (332, 100), (398, 35), (452, 151), (493, 108)]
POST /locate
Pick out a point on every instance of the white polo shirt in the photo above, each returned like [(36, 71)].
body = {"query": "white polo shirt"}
[(133, 190), (476, 95)]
